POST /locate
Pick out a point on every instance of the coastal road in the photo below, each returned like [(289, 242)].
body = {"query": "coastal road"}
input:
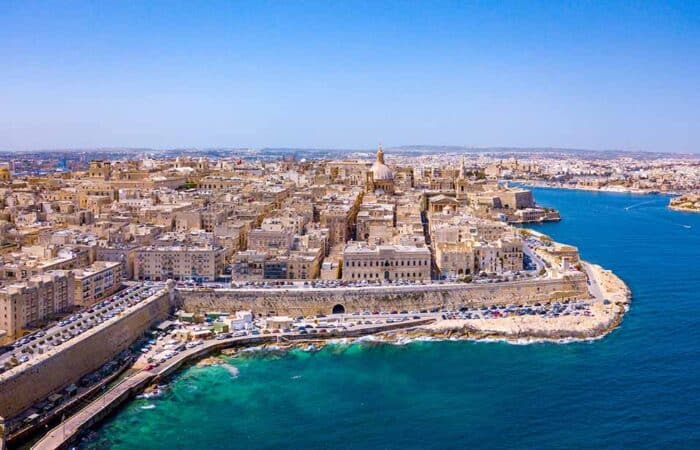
[(593, 286), (534, 257), (61, 435)]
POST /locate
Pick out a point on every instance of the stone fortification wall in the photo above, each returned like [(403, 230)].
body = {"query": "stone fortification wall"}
[(19, 389), (297, 302)]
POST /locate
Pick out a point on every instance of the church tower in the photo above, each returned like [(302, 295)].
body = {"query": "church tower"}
[(462, 183)]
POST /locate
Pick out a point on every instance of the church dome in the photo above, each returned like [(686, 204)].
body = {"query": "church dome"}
[(381, 171)]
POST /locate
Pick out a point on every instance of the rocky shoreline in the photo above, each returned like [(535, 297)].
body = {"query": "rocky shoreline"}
[(608, 313), (615, 190), (683, 209)]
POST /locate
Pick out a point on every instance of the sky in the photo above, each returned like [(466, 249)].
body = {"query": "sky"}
[(350, 74)]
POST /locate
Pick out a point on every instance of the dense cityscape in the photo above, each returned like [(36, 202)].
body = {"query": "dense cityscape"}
[(147, 262), (351, 225)]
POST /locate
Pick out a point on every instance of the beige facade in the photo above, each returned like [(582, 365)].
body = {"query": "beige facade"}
[(270, 239), (34, 300), (339, 222), (5, 174), (385, 262), (373, 216), (304, 265), (454, 258), (178, 263), (96, 282), (499, 256)]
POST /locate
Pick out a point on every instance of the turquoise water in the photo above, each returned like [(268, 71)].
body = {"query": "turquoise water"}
[(639, 387)]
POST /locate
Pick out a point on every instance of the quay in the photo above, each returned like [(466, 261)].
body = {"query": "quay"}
[(65, 433)]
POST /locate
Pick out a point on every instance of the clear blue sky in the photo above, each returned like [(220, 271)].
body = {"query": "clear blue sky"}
[(583, 74)]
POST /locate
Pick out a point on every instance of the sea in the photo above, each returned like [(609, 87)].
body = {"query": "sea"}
[(636, 388)]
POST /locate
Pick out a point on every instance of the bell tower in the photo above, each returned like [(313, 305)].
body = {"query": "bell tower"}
[(462, 183)]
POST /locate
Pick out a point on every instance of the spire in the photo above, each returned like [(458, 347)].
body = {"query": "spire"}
[(463, 168), (380, 155)]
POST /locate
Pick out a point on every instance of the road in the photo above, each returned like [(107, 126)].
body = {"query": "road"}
[(71, 427), (593, 286)]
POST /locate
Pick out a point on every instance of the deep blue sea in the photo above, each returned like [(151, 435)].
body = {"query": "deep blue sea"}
[(637, 388)]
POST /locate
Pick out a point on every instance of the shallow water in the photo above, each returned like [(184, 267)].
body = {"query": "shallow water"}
[(637, 388)]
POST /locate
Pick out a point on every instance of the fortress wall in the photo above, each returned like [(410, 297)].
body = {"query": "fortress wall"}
[(21, 389), (321, 301)]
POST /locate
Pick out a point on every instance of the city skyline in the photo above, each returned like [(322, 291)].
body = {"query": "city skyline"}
[(319, 75)]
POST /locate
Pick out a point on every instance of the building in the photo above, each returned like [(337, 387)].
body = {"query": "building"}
[(5, 174), (375, 216), (271, 238), (123, 253), (29, 303), (385, 262), (96, 282), (158, 263), (248, 265), (340, 222), (454, 258), (304, 265)]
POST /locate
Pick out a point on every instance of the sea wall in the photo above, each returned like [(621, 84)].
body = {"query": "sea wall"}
[(63, 435), (297, 302), (23, 386)]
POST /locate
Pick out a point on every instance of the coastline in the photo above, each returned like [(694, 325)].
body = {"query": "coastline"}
[(683, 209), (533, 329), (594, 189), (610, 298)]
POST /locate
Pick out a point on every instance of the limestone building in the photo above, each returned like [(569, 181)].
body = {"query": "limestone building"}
[(159, 263), (96, 282), (33, 301), (385, 262)]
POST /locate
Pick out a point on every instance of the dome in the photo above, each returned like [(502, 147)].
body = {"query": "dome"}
[(381, 171)]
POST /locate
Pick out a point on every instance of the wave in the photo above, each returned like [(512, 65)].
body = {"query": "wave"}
[(262, 349), (406, 340), (627, 208), (232, 370)]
